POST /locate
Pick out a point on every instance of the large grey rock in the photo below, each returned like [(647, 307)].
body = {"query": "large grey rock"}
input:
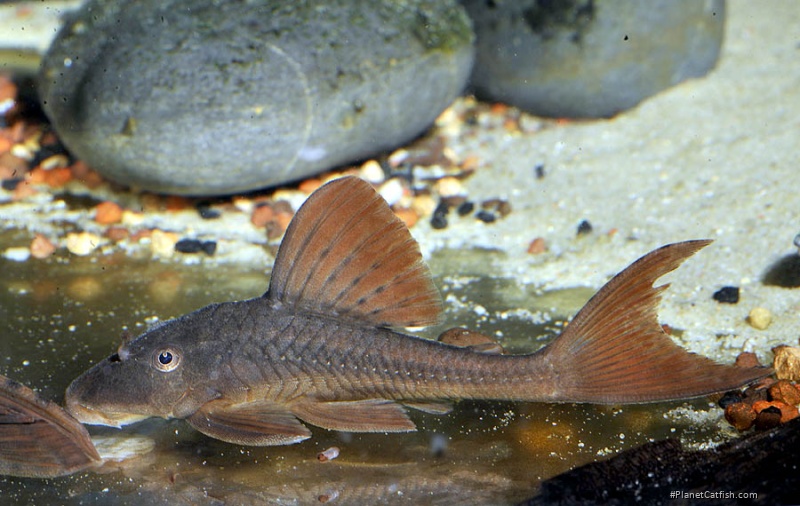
[(204, 97), (583, 58)]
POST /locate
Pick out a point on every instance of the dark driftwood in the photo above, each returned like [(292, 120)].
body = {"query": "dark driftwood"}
[(764, 462)]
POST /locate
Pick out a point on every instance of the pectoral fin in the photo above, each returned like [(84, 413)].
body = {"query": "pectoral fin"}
[(38, 438), (374, 415), (432, 407), (254, 424)]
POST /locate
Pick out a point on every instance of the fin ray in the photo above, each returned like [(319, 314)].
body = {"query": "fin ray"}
[(38, 438), (615, 350), (371, 415), (346, 254), (254, 424)]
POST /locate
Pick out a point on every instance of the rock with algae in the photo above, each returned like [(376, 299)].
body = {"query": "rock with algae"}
[(209, 97)]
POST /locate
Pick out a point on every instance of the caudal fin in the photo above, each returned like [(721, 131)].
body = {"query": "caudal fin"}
[(615, 351)]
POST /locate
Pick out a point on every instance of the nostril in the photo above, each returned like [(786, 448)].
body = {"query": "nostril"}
[(114, 358)]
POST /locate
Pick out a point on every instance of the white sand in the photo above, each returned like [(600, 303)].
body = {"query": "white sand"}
[(711, 158)]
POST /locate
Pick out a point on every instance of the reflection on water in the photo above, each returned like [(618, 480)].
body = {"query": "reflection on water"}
[(61, 315)]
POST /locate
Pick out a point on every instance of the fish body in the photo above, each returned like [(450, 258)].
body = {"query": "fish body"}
[(321, 344)]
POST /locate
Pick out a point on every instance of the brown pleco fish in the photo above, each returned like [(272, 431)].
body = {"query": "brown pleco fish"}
[(38, 438), (319, 345)]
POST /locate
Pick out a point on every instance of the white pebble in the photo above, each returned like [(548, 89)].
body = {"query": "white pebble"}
[(759, 318), (450, 187), (392, 191), (371, 171), (162, 243), (17, 254), (82, 243)]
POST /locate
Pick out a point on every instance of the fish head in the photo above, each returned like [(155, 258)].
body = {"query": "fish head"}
[(153, 375)]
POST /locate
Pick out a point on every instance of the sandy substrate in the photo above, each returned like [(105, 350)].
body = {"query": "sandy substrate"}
[(711, 158)]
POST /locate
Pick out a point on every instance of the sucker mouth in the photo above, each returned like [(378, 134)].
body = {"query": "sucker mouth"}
[(93, 416)]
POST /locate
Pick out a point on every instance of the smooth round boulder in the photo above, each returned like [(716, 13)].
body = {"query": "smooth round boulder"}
[(583, 59), (216, 97)]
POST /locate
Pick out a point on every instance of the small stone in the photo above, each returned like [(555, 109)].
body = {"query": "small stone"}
[(207, 212), (740, 415), (465, 208), (309, 186), (424, 205), (439, 218), (754, 394), (785, 411), (787, 362), (209, 247), (785, 392), (82, 243), (408, 216), (372, 172), (729, 398), (537, 246), (162, 243), (486, 216), (727, 295), (11, 184), (188, 246), (42, 247), (107, 213), (584, 227), (262, 215), (768, 418), (117, 234), (449, 187), (747, 359), (759, 318), (17, 254), (392, 191), (539, 171)]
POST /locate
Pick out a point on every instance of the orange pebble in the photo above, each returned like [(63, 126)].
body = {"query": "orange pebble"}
[(58, 177), (787, 412), (262, 215), (309, 185), (41, 247), (107, 213), (537, 246), (409, 216), (786, 392), (176, 203)]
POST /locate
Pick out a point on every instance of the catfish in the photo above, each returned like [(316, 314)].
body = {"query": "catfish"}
[(323, 345)]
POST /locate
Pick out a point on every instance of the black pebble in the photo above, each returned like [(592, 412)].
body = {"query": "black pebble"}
[(11, 184), (465, 208), (486, 216), (188, 246), (439, 218), (730, 398), (584, 227), (195, 246), (539, 169), (209, 247), (727, 295), (206, 212), (768, 418)]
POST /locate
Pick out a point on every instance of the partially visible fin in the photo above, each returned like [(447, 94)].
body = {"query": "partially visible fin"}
[(254, 424), (38, 438), (346, 254), (372, 415), (432, 407), (475, 341), (615, 351)]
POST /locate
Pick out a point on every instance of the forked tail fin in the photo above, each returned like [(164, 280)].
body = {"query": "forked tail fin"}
[(615, 351)]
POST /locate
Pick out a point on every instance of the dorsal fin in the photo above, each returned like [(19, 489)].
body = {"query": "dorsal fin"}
[(346, 254)]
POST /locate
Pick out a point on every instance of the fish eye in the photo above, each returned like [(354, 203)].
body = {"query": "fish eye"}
[(166, 359)]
